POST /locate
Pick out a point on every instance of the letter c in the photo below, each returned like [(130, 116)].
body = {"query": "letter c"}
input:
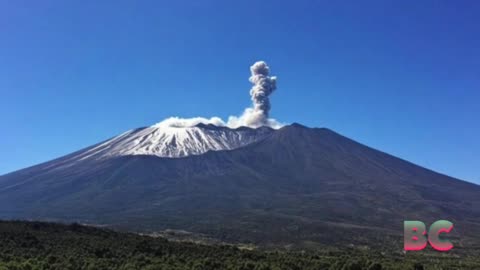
[(438, 227)]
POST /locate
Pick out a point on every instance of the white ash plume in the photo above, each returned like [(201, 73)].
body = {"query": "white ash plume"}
[(178, 122), (263, 87), (256, 116)]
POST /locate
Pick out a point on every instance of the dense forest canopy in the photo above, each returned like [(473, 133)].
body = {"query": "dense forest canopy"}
[(39, 245)]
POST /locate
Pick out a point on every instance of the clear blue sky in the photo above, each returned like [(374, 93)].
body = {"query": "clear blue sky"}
[(400, 76)]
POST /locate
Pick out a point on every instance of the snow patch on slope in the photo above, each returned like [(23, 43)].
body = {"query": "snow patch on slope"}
[(172, 140)]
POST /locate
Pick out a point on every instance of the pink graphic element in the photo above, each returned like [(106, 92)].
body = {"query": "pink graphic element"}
[(437, 228), (414, 235)]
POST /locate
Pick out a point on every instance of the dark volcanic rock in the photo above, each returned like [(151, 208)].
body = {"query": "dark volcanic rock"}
[(298, 185)]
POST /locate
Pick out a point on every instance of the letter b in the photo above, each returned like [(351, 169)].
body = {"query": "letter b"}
[(414, 235)]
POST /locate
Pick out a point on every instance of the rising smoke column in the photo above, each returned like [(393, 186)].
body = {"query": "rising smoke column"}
[(263, 87), (255, 116)]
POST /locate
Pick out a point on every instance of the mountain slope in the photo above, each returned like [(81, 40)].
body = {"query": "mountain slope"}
[(171, 141), (296, 185)]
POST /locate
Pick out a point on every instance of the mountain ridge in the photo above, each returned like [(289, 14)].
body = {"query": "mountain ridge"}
[(235, 141), (284, 189)]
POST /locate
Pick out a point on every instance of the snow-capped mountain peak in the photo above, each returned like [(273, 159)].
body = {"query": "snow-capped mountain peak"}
[(174, 142)]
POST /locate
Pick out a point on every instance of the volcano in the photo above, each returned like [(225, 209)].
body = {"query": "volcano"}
[(292, 186), (172, 141)]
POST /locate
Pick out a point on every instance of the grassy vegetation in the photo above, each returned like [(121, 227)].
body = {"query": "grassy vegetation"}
[(36, 245)]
